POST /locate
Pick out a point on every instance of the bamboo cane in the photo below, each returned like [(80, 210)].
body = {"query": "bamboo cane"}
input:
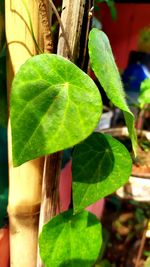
[(24, 181)]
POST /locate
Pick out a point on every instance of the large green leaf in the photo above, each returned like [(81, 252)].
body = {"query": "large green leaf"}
[(104, 67), (101, 164), (71, 240), (54, 105)]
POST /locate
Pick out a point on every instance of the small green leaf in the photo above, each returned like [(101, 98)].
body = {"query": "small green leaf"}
[(144, 97), (101, 165), (104, 67), (71, 240), (54, 105)]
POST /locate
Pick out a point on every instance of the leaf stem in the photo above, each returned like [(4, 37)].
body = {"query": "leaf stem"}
[(90, 14)]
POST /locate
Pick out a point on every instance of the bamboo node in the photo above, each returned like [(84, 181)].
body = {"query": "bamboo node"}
[(24, 210)]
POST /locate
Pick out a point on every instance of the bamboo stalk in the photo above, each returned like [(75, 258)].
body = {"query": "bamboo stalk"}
[(24, 181)]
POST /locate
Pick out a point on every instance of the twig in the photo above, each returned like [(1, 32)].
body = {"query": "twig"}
[(141, 245), (90, 14), (62, 28), (140, 120), (50, 192)]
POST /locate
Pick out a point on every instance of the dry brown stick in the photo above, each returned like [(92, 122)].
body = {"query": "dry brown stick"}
[(62, 27), (50, 192), (141, 246), (90, 14), (53, 168), (140, 120), (50, 187)]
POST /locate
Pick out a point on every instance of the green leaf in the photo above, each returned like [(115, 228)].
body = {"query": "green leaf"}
[(54, 105), (104, 67), (71, 240), (144, 97), (101, 165)]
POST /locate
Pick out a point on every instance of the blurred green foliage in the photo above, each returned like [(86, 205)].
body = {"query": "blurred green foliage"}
[(3, 175), (144, 97), (147, 263), (3, 90), (104, 263), (110, 4), (2, 25), (3, 120)]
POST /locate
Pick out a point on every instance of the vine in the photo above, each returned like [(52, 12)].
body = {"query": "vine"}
[(54, 106)]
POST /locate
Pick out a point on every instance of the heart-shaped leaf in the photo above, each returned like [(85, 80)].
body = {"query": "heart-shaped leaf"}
[(71, 240), (54, 105), (101, 164), (105, 69)]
